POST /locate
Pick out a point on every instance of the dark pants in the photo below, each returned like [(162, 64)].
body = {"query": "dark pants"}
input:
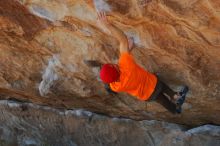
[(164, 96)]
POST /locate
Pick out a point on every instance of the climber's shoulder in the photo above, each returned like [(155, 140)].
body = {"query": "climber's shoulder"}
[(126, 59)]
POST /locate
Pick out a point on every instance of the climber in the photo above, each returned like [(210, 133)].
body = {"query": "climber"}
[(129, 77)]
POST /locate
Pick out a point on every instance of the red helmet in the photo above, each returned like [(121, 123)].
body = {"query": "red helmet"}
[(109, 73)]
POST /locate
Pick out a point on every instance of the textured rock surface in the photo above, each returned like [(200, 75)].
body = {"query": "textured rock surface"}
[(33, 125), (43, 45)]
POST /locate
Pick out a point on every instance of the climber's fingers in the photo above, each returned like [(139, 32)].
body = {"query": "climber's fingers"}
[(145, 2), (102, 17)]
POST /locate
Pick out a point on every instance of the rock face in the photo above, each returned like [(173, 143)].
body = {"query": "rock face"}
[(34, 125), (43, 46)]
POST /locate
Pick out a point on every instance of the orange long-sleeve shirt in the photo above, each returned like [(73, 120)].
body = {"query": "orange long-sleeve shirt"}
[(134, 79)]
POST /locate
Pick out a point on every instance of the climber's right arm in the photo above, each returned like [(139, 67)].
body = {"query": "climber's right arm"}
[(115, 32)]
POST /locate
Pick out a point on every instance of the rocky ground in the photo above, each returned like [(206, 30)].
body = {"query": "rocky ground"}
[(26, 124)]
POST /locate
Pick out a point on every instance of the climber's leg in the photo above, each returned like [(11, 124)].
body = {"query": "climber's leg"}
[(158, 89), (164, 89), (174, 97), (166, 103), (164, 96), (169, 93), (168, 98)]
